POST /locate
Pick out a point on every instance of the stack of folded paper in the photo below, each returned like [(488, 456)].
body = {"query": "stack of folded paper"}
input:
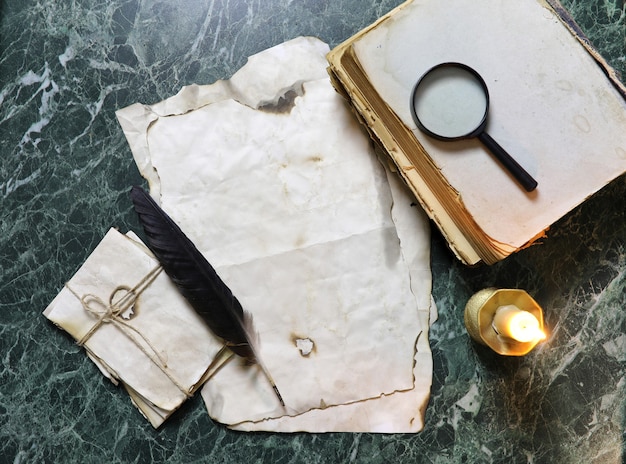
[(135, 325), (272, 178)]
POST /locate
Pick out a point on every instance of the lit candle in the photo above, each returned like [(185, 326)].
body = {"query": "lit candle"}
[(508, 321), (519, 325)]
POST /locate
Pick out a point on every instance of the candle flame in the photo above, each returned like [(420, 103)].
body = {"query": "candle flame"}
[(518, 325), (524, 327)]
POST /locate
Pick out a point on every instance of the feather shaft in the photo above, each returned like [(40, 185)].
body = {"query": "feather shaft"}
[(198, 281)]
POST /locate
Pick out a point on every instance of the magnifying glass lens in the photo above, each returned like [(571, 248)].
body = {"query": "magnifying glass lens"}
[(450, 102)]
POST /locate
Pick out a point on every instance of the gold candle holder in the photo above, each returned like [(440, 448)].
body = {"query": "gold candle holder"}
[(508, 321)]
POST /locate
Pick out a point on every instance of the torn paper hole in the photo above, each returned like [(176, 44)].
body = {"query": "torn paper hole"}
[(305, 345)]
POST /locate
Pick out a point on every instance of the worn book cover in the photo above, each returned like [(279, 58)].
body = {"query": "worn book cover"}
[(554, 104)]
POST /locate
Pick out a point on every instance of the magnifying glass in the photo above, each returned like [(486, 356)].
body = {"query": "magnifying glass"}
[(450, 102)]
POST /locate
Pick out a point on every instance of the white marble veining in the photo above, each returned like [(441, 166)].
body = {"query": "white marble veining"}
[(65, 173)]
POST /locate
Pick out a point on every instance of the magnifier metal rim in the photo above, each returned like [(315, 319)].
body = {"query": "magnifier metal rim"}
[(479, 128)]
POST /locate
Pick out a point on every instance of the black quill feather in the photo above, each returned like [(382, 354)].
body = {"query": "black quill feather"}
[(197, 280)]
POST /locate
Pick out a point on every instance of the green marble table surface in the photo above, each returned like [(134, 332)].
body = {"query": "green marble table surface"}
[(65, 172)]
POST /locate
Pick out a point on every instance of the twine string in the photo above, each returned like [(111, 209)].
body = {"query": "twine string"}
[(112, 313)]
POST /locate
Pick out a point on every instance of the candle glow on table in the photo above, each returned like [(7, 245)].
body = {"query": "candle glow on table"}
[(509, 321)]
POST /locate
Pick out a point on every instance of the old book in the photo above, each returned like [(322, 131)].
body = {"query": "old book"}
[(554, 104)]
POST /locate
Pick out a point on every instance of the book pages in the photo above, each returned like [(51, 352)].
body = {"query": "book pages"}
[(551, 106), (279, 187)]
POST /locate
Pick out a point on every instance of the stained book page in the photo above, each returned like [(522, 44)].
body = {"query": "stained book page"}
[(551, 106), (280, 189)]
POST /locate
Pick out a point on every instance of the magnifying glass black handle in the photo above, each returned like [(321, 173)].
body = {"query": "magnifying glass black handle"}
[(525, 179)]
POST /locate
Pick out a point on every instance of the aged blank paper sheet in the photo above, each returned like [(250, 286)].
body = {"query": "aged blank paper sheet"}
[(272, 178)]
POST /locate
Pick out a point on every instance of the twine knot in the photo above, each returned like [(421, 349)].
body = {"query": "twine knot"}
[(116, 312)]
